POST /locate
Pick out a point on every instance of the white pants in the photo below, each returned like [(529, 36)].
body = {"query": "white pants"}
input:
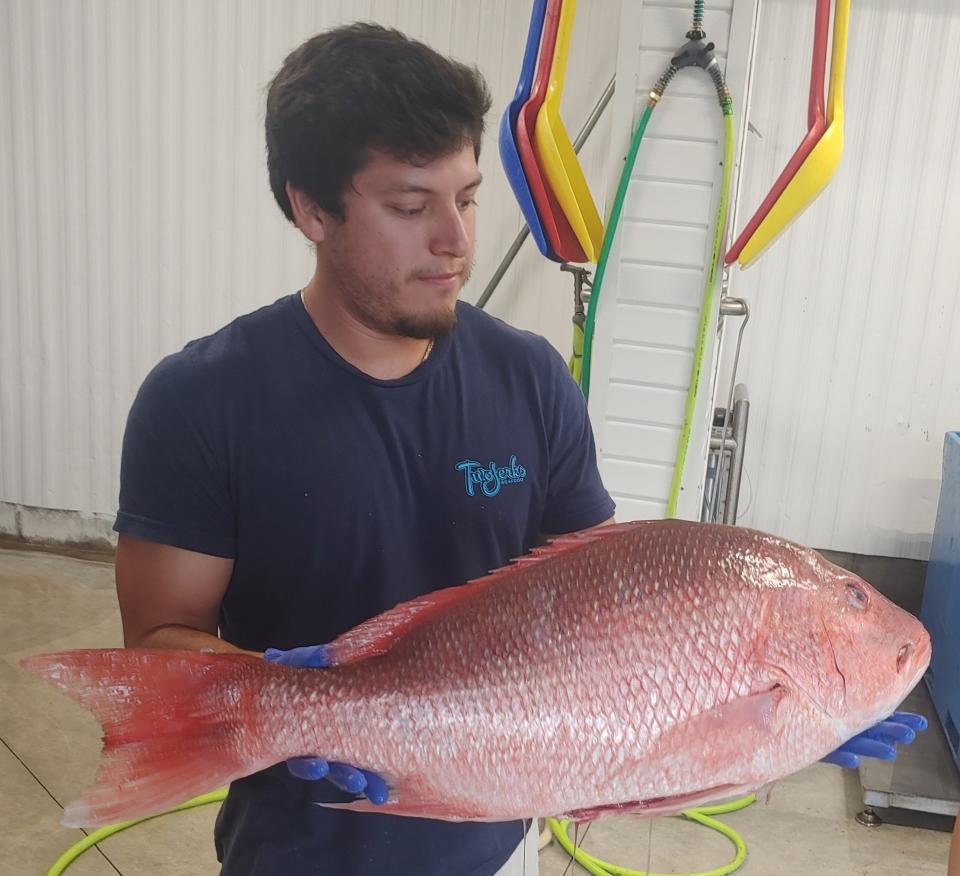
[(524, 861)]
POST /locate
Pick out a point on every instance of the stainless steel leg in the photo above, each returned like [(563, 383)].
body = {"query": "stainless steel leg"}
[(741, 416)]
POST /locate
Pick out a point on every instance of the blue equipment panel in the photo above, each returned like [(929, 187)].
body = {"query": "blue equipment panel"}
[(940, 611)]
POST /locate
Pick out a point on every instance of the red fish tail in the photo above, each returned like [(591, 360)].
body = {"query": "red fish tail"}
[(170, 722)]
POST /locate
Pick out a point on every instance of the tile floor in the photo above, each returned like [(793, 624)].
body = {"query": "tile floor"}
[(49, 746)]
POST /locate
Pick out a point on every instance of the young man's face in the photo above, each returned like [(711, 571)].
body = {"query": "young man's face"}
[(405, 248)]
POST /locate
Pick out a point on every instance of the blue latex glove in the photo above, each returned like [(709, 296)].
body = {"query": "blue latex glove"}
[(344, 776), (879, 741)]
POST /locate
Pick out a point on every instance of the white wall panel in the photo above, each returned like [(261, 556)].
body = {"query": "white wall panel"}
[(135, 211), (672, 367), (135, 214), (651, 298), (852, 353)]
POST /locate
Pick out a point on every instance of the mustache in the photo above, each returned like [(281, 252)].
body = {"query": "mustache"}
[(463, 268)]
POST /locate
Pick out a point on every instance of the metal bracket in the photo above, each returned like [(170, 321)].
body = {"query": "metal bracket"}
[(694, 53), (581, 278)]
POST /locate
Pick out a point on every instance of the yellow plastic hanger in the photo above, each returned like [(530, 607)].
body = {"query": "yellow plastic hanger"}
[(817, 170), (555, 152)]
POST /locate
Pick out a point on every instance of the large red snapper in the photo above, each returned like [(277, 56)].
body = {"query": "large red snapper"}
[(648, 666)]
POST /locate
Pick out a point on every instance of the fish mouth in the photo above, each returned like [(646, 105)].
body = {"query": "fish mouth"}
[(917, 653)]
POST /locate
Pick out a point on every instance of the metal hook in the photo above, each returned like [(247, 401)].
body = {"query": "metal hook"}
[(581, 278), (737, 307)]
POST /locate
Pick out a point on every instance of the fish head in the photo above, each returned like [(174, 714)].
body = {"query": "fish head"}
[(827, 633), (880, 650)]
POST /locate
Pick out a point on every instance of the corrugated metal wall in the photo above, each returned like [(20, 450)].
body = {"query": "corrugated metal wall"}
[(134, 206), (852, 354)]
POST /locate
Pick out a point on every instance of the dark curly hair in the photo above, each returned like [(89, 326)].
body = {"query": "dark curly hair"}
[(359, 88)]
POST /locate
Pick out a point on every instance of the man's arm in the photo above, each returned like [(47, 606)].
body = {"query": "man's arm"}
[(170, 597)]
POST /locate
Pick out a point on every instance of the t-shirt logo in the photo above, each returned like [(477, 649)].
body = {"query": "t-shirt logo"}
[(490, 478)]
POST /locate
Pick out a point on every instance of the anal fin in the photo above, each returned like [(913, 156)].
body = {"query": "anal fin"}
[(435, 811), (655, 807), (414, 799)]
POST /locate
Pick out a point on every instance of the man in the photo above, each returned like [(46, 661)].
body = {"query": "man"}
[(355, 444)]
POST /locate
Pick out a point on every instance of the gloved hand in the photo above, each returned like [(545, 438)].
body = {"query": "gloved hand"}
[(879, 741), (344, 776)]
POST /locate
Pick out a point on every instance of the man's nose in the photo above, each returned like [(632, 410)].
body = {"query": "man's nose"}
[(451, 234)]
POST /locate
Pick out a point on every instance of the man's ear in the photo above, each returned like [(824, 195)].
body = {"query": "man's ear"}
[(309, 217)]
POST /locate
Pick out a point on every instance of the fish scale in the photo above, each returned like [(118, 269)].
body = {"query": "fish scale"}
[(646, 666)]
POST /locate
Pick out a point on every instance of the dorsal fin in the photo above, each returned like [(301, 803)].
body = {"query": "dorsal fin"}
[(563, 543), (379, 634)]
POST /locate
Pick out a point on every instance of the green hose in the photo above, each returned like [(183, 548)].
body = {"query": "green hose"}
[(98, 836), (698, 15), (703, 816), (706, 312), (612, 224)]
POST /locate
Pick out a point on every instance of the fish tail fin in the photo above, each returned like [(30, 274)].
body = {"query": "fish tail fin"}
[(169, 719)]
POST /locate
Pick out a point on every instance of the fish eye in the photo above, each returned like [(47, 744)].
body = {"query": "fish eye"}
[(856, 596)]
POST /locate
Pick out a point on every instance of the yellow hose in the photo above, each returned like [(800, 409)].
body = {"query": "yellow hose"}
[(703, 816), (98, 836), (590, 863), (706, 313)]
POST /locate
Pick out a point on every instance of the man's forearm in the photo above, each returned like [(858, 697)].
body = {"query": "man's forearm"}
[(181, 638)]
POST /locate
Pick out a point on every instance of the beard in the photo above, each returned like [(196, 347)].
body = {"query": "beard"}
[(374, 301), (427, 326)]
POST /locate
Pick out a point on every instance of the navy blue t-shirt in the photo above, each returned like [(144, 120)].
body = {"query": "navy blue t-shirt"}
[(338, 495)]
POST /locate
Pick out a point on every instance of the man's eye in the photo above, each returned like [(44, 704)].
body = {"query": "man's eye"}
[(471, 202), (409, 211)]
